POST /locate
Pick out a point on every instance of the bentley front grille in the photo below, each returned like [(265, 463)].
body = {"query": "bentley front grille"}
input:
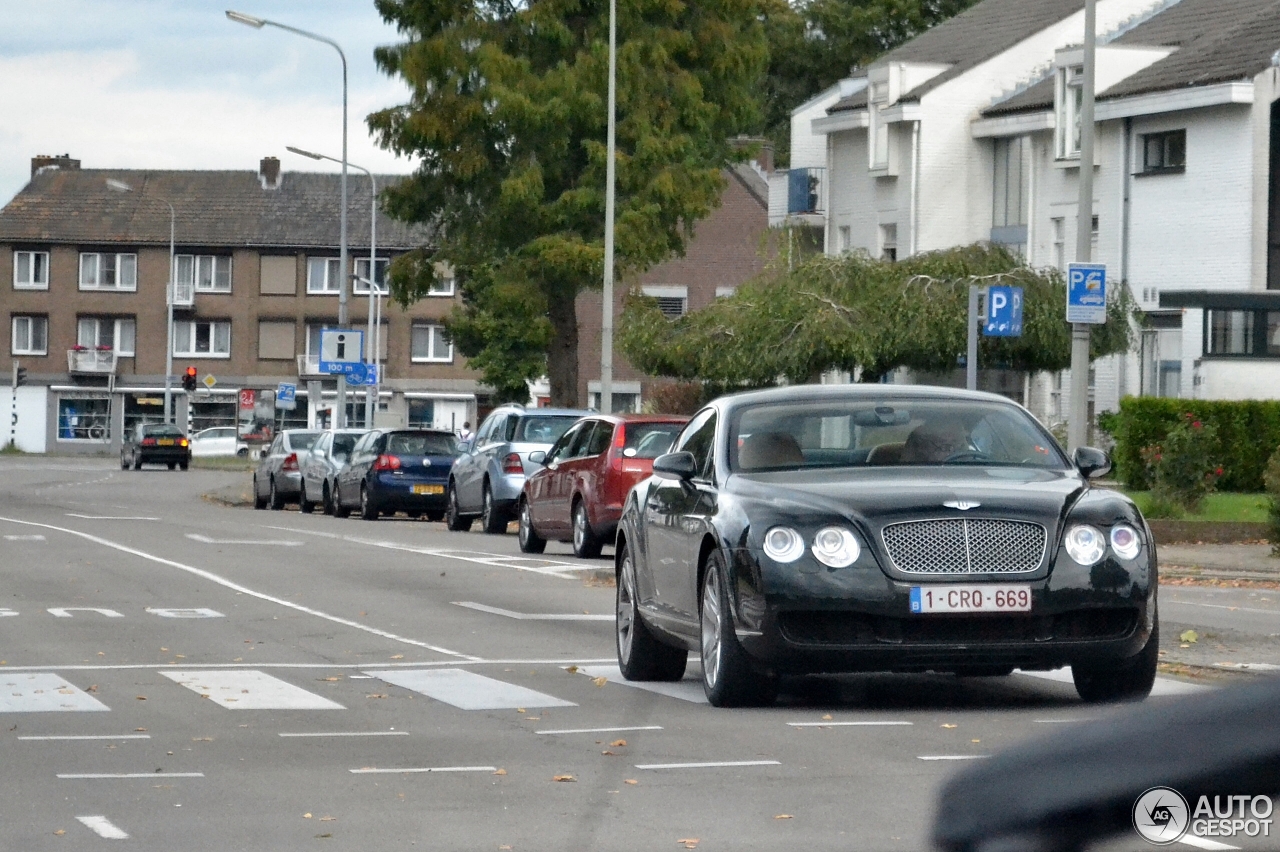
[(965, 546)]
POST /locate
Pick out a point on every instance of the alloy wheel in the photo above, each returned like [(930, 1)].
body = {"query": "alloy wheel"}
[(579, 528), (711, 628), (626, 608)]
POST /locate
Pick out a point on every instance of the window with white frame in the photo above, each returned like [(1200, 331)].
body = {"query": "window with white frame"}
[(362, 275), (202, 339), (889, 242), (430, 344), (102, 271), (1069, 99), (1011, 179), (31, 270), (878, 128), (116, 333), (846, 238), (207, 273), (672, 301), (323, 275), (444, 285), (30, 336)]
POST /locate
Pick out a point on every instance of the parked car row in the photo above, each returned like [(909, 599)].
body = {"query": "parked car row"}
[(564, 474)]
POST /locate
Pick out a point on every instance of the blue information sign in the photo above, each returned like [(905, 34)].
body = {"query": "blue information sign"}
[(342, 352), (286, 396), (1004, 312), (1087, 293)]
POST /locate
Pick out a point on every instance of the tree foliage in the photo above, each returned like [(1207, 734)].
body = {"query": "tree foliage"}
[(507, 118), (864, 316)]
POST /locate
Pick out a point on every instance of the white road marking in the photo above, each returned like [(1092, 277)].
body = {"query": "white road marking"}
[(350, 734), (843, 724), (603, 730), (260, 665), (102, 827), (83, 776), (953, 757), (107, 517), (1220, 606), (43, 692), (91, 737), (250, 690), (236, 587), (1254, 667), (204, 539), (371, 770), (1163, 685), (527, 616), (184, 612), (1202, 843), (468, 690), (65, 611), (1066, 721), (6, 613), (24, 538), (685, 690), (709, 765)]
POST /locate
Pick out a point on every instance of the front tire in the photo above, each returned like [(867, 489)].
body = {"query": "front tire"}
[(452, 517), (368, 509), (586, 545), (1125, 680), (640, 655), (728, 678), (274, 500), (492, 519), (530, 541)]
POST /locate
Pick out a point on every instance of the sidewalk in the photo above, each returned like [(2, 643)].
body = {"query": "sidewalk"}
[(1222, 561)]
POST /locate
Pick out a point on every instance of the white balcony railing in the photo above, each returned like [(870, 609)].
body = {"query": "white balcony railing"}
[(99, 361), (309, 365), (184, 294)]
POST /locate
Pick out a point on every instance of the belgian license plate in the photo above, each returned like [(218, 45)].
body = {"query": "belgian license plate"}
[(929, 599), (428, 489), (165, 442)]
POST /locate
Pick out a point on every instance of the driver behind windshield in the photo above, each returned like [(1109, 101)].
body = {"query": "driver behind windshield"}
[(935, 442)]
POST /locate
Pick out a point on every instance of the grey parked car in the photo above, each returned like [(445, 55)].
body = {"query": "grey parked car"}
[(320, 467), (277, 479), (487, 478)]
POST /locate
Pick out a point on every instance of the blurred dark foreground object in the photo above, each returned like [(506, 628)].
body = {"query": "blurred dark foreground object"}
[(1062, 792)]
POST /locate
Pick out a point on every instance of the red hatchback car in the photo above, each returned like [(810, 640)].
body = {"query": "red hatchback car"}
[(578, 494)]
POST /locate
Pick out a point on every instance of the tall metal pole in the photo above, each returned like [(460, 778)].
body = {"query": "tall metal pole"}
[(172, 292), (1078, 419), (371, 392), (606, 324), (971, 352)]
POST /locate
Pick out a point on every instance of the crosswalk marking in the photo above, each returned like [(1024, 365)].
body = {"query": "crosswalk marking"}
[(103, 827), (686, 690), (468, 690), (250, 690), (43, 692)]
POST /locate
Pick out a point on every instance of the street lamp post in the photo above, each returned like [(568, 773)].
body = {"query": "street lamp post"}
[(340, 416), (121, 186), (371, 393), (606, 323), (1078, 416)]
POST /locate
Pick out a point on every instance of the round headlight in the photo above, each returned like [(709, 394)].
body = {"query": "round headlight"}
[(836, 547), (1085, 544), (783, 544), (1125, 541)]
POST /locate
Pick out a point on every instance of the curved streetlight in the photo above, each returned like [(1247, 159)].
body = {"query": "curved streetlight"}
[(121, 186), (375, 324), (340, 416)]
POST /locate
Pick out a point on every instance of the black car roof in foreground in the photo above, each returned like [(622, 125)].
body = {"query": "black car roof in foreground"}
[(791, 393)]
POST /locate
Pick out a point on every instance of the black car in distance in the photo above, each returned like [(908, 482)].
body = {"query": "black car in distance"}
[(867, 528), (155, 443), (396, 470)]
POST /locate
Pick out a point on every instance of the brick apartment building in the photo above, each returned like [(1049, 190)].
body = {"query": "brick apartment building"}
[(83, 271)]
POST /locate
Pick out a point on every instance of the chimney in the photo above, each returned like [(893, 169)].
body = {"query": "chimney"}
[(44, 161), (765, 157), (269, 173)]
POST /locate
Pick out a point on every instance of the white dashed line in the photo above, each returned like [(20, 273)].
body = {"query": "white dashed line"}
[(844, 724), (350, 734), (204, 539), (92, 776), (953, 757), (370, 770), (102, 827), (104, 518), (24, 538), (720, 764), (603, 730), (526, 616), (90, 737)]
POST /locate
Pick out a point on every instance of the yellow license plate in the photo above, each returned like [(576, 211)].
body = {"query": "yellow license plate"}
[(165, 442), (428, 489)]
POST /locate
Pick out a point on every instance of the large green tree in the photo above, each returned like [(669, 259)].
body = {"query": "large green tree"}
[(506, 119), (864, 316)]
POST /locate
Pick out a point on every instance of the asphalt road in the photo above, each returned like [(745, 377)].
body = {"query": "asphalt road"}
[(206, 678)]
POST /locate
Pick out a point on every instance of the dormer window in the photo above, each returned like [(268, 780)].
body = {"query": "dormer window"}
[(878, 128), (1069, 100)]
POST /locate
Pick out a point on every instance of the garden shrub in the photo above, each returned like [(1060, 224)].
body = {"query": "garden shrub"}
[(1183, 470), (1272, 477)]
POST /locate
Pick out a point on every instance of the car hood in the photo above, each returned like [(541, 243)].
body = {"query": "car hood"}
[(882, 496)]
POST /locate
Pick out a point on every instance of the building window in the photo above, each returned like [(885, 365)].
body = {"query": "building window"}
[(672, 301), (1059, 229), (889, 242), (430, 344), (208, 273), (1070, 98), (878, 129), (362, 275), (422, 413), (108, 271), (204, 339), (113, 333), (1230, 333), (846, 238), (442, 286), (31, 270), (725, 292), (30, 336), (323, 275), (83, 418), (1164, 152), (1009, 201)]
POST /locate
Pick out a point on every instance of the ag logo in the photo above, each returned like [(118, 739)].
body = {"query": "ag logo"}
[(1161, 816)]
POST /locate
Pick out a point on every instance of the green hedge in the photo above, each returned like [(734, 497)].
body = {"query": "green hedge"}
[(1248, 433)]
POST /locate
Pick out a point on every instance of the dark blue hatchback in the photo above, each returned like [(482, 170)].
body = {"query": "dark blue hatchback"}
[(396, 470)]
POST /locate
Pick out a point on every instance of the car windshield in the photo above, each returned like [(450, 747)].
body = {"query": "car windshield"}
[(888, 432), (301, 440), (162, 430), (422, 444), (649, 440), (540, 428)]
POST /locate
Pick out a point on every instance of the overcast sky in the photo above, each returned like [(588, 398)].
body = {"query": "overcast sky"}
[(173, 84)]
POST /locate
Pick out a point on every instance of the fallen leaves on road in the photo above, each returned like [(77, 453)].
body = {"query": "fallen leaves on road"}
[(519, 709), (140, 729), (563, 778), (688, 842), (975, 741), (948, 725), (618, 744), (330, 679), (60, 832), (202, 739), (600, 681), (142, 698), (631, 781), (397, 656), (306, 816), (569, 669), (93, 688), (611, 753), (1189, 636), (377, 695), (783, 816), (827, 717), (500, 772), (322, 836), (328, 819)]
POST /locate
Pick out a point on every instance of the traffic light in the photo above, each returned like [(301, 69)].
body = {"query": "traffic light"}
[(189, 380), (19, 375)]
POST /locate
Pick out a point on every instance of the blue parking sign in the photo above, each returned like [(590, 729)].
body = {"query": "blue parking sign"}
[(1004, 312), (1087, 293)]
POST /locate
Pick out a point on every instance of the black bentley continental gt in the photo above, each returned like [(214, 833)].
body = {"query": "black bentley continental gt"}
[(843, 528)]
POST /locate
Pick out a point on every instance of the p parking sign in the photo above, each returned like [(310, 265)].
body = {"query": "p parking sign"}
[(1087, 293), (1004, 312)]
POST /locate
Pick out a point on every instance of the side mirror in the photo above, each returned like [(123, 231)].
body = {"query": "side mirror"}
[(675, 466), (1090, 462), (537, 457)]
